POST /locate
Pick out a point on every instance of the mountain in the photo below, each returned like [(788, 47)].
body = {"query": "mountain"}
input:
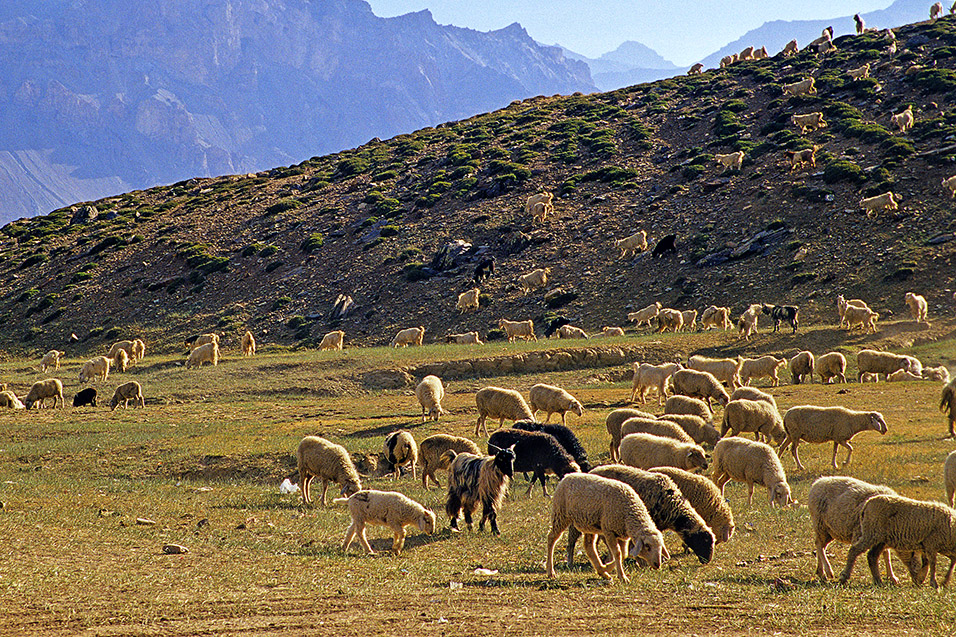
[(105, 96), (629, 64)]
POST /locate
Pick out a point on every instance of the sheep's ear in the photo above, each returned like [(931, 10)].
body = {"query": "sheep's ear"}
[(493, 449)]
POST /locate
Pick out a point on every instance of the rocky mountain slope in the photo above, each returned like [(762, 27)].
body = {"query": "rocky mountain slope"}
[(272, 251), (104, 97)]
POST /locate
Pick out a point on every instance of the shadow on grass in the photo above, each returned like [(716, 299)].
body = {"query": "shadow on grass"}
[(381, 545), (377, 432)]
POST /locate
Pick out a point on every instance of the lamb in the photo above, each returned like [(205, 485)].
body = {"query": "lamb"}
[(752, 393), (320, 458), (208, 353), (551, 400), (714, 316), (410, 336), (645, 451), (541, 197), (939, 374), (886, 201), (248, 344), (904, 119), (696, 69), (645, 316), (534, 279), (400, 450), (647, 376), (752, 463), (633, 244), (827, 424), (9, 400), (726, 370), (127, 392), (97, 367), (432, 454), (790, 49), (611, 331), (699, 385), (570, 331), (950, 185), (565, 438), (706, 499), (901, 375), (859, 73), (332, 340), (468, 301), (535, 452), (765, 366), (808, 122), (949, 477), (201, 339), (120, 362), (667, 506), (514, 329), (43, 389), (656, 427), (689, 319), (429, 392), (669, 319), (831, 365), (385, 508), (685, 405), (478, 479), (860, 25), (806, 157), (872, 361), (918, 306), (730, 161), (468, 338), (747, 323), (755, 416), (700, 431), (51, 359), (936, 11), (781, 313), (860, 316), (803, 87), (801, 367), (495, 402), (85, 397), (947, 402), (613, 423), (594, 504), (541, 210)]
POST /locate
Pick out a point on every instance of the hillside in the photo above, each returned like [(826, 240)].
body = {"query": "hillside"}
[(273, 250)]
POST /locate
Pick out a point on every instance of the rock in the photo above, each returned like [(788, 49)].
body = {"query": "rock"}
[(917, 40), (84, 214), (174, 549), (941, 238), (387, 379), (145, 522)]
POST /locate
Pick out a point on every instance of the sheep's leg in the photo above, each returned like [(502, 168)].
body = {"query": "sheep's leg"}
[(949, 572), (534, 478), (452, 508), (304, 480), (612, 449), (468, 518), (398, 543), (349, 536), (553, 536), (325, 488), (590, 549), (615, 548), (890, 575), (750, 495), (414, 475), (855, 551), (573, 535), (849, 452), (873, 560), (932, 569), (793, 450), (824, 568)]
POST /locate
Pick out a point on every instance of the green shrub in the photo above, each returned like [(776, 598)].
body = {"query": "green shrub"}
[(274, 265), (389, 231), (898, 147), (281, 302), (936, 80), (413, 272), (283, 205), (33, 260), (313, 242), (268, 251), (842, 170)]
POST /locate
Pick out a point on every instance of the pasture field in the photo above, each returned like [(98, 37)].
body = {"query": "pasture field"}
[(205, 458)]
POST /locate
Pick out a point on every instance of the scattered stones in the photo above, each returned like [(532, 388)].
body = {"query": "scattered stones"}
[(174, 549), (145, 522)]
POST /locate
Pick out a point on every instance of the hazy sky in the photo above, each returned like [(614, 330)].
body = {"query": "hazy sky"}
[(683, 31)]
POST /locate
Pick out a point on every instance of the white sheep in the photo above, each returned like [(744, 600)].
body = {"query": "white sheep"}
[(432, 454), (949, 477), (761, 53), (571, 331), (706, 499), (208, 353), (385, 508), (121, 360), (918, 306), (806, 158), (669, 319), (468, 301), (633, 244), (430, 392), (801, 367), (763, 367), (410, 336), (689, 320), (714, 316), (936, 11), (876, 362), (9, 400), (656, 427), (752, 393), (644, 316), (96, 367), (730, 161), (699, 430), (43, 389), (860, 316), (746, 54), (125, 345), (831, 365), (139, 350), (727, 60), (317, 457), (685, 405), (902, 375), (541, 210), (747, 323), (400, 450), (886, 201), (791, 48), (752, 463), (551, 400), (468, 338), (611, 331), (939, 374), (808, 122), (535, 279), (646, 450), (696, 69), (803, 87), (904, 119), (726, 370), (613, 424), (202, 339), (950, 185), (248, 344), (647, 376), (127, 392), (51, 359), (843, 303), (332, 340), (859, 73), (514, 329), (541, 197), (597, 505), (496, 402), (701, 385), (755, 416), (827, 424)]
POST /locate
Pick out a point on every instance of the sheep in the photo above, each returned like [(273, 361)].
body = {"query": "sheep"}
[(541, 197), (468, 301), (555, 324), (647, 376), (727, 60), (746, 54), (860, 316), (541, 210), (892, 521), (565, 438), (752, 463), (535, 279), (886, 201), (139, 350), (597, 505), (806, 157), (385, 508), (826, 46), (801, 367), (936, 11), (248, 344), (611, 331), (514, 329), (730, 161), (689, 320), (765, 366), (870, 378), (699, 385), (475, 479), (429, 393), (633, 244), (551, 400), (831, 365), (827, 424), (400, 450), (791, 48), (752, 393), (97, 367), (645, 315), (669, 319), (950, 185), (860, 24), (947, 402), (667, 245), (120, 361), (85, 397), (535, 452), (332, 340), (410, 336), (125, 345), (901, 375), (904, 119), (43, 389), (613, 424), (872, 361), (700, 431), (822, 40), (127, 392), (645, 451), (781, 313), (468, 338), (432, 456), (51, 359), (843, 303), (685, 405), (714, 316), (9, 400), (726, 370), (939, 374), (747, 323), (317, 457), (201, 339), (208, 353), (808, 122), (859, 73), (495, 402), (949, 477), (803, 87), (570, 331), (761, 53), (657, 427), (755, 416), (918, 306), (667, 506), (696, 69), (705, 497)]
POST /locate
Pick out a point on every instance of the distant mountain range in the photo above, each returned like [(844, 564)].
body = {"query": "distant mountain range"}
[(629, 64)]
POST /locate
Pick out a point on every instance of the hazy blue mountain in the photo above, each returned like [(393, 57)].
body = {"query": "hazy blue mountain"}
[(629, 64)]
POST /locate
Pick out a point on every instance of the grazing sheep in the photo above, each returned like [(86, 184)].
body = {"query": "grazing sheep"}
[(611, 331), (432, 454), (43, 389), (688, 320), (514, 329), (124, 345), (541, 210), (860, 73), (874, 362), (831, 365), (534, 279), (803, 87), (120, 362), (201, 339), (714, 316), (9, 400), (613, 423), (700, 431), (904, 120), (633, 244), (808, 122), (826, 46), (208, 353), (752, 393), (332, 340), (553, 400), (656, 427), (555, 324), (495, 402), (647, 376), (570, 331), (726, 370), (806, 157), (565, 438), (949, 477), (791, 48), (747, 323), (939, 374), (685, 405), (936, 11), (918, 306), (468, 301), (860, 316), (950, 185), (127, 392), (947, 402), (727, 60), (755, 416), (886, 201), (669, 319), (644, 316), (696, 69), (827, 424), (475, 480), (705, 497), (746, 54), (535, 452), (97, 367), (763, 367), (541, 197), (139, 350), (645, 451), (761, 53), (410, 336), (51, 359), (248, 344), (597, 505), (730, 161), (699, 385), (320, 458), (430, 392), (801, 367), (752, 463), (385, 508), (85, 397), (901, 375), (781, 313), (468, 338), (400, 450)]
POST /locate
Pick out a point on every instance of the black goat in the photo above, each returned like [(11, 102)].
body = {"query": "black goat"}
[(484, 270), (565, 438), (85, 397), (779, 313), (535, 452), (478, 479), (555, 325), (667, 245)]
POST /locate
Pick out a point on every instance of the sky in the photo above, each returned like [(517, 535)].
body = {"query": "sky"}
[(683, 31)]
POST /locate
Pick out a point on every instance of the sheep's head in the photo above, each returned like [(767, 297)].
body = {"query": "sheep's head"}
[(351, 486), (766, 308), (426, 523), (877, 423), (504, 459), (701, 542), (650, 549), (696, 459), (577, 408), (780, 495), (724, 533)]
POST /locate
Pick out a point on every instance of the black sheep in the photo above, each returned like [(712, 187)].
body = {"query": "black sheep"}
[(779, 313), (85, 397), (555, 325), (666, 245), (535, 452), (474, 480), (565, 438), (484, 270)]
